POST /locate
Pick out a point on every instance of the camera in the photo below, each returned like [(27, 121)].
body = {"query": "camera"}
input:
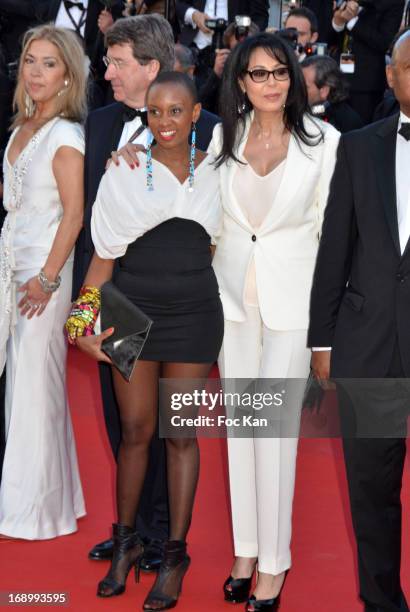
[(242, 25), (291, 37), (218, 27)]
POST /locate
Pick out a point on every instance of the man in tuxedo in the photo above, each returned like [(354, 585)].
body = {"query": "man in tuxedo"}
[(82, 16), (193, 15), (366, 31), (194, 32), (107, 129), (360, 333)]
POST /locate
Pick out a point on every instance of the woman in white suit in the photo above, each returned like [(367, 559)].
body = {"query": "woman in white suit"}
[(275, 165)]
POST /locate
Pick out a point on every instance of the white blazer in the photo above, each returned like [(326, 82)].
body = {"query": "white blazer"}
[(285, 245)]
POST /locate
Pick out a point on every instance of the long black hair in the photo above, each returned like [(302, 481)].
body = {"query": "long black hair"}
[(235, 105)]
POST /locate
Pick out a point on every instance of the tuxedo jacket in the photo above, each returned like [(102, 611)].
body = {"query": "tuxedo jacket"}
[(258, 10), (371, 38), (360, 300), (284, 247), (103, 131), (93, 39)]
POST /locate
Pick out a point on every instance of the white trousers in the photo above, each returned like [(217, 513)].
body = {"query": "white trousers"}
[(262, 470)]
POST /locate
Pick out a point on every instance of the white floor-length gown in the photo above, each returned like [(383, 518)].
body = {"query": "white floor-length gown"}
[(40, 491)]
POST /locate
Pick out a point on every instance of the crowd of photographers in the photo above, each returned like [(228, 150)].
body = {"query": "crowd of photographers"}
[(342, 45)]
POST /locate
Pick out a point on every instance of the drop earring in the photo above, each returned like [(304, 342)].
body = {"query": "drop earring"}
[(63, 91), (243, 107), (191, 178), (148, 164)]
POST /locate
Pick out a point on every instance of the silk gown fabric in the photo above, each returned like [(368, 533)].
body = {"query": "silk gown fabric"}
[(40, 494)]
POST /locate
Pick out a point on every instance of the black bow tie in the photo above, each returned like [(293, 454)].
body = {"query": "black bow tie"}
[(69, 4), (405, 130), (128, 114)]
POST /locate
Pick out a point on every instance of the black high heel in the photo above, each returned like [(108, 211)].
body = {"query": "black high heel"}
[(239, 591), (128, 551), (175, 561), (265, 605), (262, 605)]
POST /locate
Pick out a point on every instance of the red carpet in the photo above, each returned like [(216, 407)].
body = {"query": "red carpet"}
[(323, 574)]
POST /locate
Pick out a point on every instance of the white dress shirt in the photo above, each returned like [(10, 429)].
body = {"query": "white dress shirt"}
[(130, 127), (213, 8), (63, 20), (403, 184)]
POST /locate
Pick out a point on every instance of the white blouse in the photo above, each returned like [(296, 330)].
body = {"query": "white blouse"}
[(247, 183), (125, 210)]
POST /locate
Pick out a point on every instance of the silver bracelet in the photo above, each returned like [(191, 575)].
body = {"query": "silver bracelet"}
[(46, 285)]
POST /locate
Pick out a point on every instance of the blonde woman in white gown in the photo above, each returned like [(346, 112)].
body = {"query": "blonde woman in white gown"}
[(40, 492)]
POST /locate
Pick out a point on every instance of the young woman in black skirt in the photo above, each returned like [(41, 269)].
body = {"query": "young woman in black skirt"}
[(159, 225)]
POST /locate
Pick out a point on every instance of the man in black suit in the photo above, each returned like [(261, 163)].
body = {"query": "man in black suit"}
[(193, 15), (106, 130), (328, 93), (194, 33), (367, 32), (82, 17), (359, 329)]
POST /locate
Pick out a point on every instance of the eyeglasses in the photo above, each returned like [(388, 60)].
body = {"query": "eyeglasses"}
[(260, 75), (118, 64)]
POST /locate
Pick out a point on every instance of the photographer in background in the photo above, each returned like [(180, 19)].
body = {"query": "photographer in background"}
[(234, 33), (195, 33), (323, 9), (366, 29), (328, 92), (305, 22)]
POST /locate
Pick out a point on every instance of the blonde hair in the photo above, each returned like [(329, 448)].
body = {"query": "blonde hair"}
[(72, 104)]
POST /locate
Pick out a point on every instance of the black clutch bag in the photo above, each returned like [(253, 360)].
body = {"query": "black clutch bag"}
[(131, 329)]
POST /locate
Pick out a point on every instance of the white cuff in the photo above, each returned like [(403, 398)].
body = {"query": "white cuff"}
[(317, 349), (188, 17), (337, 28), (351, 24)]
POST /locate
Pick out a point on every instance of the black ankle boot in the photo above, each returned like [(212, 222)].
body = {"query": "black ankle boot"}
[(168, 585), (239, 589), (127, 552)]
